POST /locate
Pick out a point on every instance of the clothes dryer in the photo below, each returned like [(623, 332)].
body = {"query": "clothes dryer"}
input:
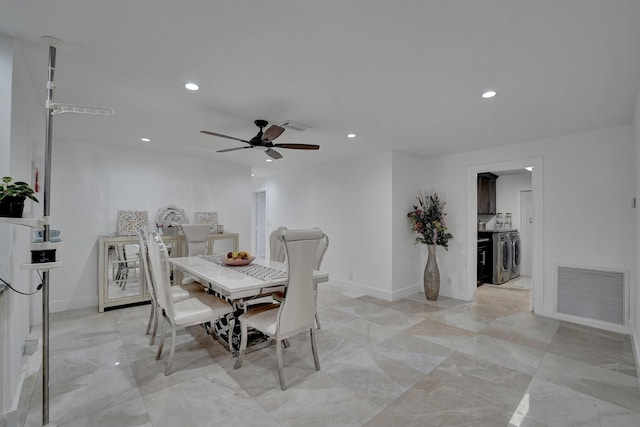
[(502, 258), (515, 254)]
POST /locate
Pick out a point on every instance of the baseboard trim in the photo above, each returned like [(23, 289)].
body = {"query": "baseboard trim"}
[(405, 292), (382, 294), (72, 304), (612, 327)]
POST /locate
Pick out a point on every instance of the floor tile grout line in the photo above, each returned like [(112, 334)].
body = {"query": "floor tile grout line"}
[(126, 354)]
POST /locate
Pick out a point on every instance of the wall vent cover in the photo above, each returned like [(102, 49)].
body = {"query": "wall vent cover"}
[(592, 294)]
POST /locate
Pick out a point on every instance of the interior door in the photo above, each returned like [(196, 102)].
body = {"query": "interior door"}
[(526, 232), (260, 220)]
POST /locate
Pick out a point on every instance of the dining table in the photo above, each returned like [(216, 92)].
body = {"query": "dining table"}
[(243, 286)]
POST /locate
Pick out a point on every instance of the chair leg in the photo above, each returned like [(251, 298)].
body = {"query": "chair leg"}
[(163, 333), (316, 300), (314, 348), (232, 324), (150, 320), (283, 384), (167, 369), (157, 310), (243, 345)]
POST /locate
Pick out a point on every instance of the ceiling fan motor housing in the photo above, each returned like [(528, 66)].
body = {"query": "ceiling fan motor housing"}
[(264, 139)]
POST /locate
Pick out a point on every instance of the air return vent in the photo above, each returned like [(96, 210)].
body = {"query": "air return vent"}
[(591, 294)]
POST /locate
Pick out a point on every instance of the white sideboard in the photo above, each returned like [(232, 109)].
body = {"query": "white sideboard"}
[(119, 279)]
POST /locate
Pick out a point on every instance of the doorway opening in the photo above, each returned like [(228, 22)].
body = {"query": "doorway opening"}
[(513, 256), (259, 222)]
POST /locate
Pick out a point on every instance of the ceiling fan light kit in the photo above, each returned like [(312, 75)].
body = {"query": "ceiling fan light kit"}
[(264, 139)]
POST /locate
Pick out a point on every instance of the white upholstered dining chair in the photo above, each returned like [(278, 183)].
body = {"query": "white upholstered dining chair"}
[(197, 310), (276, 246), (296, 313), (196, 237), (178, 293), (323, 245)]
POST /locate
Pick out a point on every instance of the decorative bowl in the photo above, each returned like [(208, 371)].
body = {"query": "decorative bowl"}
[(239, 261)]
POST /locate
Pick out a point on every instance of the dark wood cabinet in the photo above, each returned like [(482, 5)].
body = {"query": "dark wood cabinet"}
[(485, 260), (487, 193)]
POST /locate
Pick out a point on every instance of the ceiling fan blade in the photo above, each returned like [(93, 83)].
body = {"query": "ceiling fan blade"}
[(222, 136), (298, 146), (272, 133), (233, 149), (273, 153)]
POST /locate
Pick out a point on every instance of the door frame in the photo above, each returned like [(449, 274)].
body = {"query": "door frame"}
[(537, 277), (522, 220), (254, 222)]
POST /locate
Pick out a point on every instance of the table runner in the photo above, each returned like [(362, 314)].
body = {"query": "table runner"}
[(256, 271)]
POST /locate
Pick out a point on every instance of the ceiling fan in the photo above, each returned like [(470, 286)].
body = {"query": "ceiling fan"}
[(264, 140)]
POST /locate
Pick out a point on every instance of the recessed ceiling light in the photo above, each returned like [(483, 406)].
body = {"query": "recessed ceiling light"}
[(191, 86), (269, 160), (145, 139), (351, 135), (489, 94), (253, 174)]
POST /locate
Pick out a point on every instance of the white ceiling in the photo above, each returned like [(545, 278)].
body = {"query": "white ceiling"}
[(403, 75)]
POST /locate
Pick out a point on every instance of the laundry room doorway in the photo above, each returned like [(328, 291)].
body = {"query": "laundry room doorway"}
[(514, 180)]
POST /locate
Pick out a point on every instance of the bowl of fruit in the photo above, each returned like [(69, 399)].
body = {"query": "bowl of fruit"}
[(238, 258)]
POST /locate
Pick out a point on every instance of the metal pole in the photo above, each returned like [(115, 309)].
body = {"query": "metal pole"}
[(45, 274)]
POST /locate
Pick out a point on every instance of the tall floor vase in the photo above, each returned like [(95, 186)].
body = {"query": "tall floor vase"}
[(431, 275)]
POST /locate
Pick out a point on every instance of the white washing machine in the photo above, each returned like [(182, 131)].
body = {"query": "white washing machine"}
[(515, 254), (502, 257)]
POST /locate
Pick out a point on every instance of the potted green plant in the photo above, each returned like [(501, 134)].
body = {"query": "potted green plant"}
[(12, 197)]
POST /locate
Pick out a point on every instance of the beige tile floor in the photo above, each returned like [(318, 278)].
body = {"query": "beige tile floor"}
[(405, 363)]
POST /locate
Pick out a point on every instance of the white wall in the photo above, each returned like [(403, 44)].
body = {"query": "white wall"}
[(586, 210), (587, 204), (410, 177), (362, 206), (91, 183), (351, 203), (20, 116)]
